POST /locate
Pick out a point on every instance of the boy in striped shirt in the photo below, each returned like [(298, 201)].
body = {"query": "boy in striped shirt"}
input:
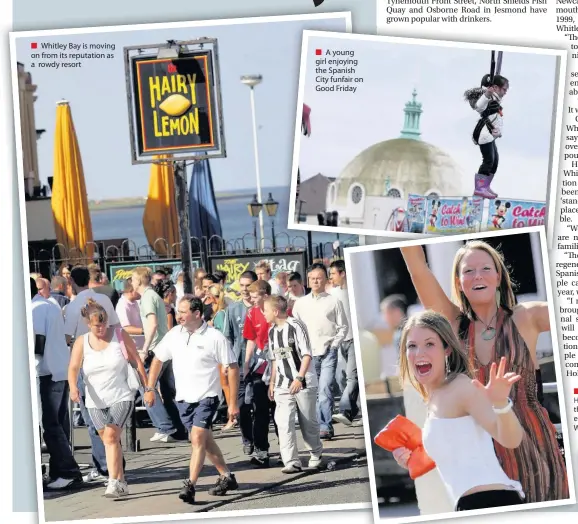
[(293, 386)]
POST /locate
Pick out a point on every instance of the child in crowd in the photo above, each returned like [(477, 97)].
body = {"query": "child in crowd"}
[(282, 282), (293, 386)]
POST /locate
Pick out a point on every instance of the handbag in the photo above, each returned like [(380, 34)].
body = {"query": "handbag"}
[(402, 433), (133, 378)]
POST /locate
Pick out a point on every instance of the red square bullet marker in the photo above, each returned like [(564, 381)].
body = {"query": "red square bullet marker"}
[(575, 391), (318, 51), (33, 45)]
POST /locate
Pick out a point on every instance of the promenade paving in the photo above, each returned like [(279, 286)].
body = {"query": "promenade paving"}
[(155, 476)]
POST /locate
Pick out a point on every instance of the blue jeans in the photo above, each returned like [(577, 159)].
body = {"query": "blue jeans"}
[(349, 396), (325, 367), (164, 413), (56, 427)]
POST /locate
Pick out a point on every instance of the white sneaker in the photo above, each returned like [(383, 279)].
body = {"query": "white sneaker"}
[(315, 462), (122, 488), (162, 437), (94, 476), (294, 467), (112, 489), (340, 417)]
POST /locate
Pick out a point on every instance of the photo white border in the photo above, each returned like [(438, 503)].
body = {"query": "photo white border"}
[(14, 36), (555, 134), (557, 365)]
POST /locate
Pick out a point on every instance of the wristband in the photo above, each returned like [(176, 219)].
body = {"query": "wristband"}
[(148, 390), (505, 409)]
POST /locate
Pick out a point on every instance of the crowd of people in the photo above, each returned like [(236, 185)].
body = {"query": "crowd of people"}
[(279, 353)]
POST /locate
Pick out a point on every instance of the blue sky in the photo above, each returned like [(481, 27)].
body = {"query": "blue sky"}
[(97, 97), (344, 124)]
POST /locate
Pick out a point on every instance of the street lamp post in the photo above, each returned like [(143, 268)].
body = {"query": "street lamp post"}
[(271, 207), (252, 81), (254, 208)]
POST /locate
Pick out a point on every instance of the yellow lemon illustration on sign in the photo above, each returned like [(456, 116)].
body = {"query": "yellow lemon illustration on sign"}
[(175, 105)]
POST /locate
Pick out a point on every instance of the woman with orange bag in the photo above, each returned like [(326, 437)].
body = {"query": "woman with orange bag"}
[(463, 415)]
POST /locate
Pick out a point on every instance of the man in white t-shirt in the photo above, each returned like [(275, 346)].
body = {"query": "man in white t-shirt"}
[(75, 326), (348, 408), (52, 356), (197, 350)]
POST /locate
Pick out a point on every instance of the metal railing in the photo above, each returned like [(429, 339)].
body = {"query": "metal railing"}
[(46, 258)]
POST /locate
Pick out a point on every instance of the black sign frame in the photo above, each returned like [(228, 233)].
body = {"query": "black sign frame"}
[(203, 50), (230, 290), (174, 263)]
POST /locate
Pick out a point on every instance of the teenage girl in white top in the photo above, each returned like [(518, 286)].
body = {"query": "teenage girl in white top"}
[(109, 399), (463, 415)]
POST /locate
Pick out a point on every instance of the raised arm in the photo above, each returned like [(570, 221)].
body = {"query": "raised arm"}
[(429, 291), (488, 405), (483, 101), (539, 315)]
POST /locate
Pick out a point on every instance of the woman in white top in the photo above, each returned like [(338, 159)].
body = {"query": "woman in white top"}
[(109, 399), (463, 415)]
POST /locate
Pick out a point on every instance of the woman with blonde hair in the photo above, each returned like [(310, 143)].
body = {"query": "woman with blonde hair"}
[(216, 298), (109, 399), (463, 415), (490, 325)]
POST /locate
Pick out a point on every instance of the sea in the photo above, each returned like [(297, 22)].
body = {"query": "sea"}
[(235, 221)]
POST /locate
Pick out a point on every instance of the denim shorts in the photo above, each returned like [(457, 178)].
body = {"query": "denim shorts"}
[(198, 414)]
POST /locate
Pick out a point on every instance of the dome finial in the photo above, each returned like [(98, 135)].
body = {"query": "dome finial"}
[(413, 113)]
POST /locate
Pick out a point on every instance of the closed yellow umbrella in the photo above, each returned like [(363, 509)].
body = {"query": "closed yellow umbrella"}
[(69, 198), (160, 218)]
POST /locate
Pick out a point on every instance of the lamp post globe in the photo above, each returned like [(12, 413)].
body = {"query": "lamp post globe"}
[(251, 80)]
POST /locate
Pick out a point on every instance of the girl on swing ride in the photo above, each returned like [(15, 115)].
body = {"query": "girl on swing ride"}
[(486, 100)]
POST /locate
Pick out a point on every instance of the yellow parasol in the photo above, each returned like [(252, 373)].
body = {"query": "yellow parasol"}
[(69, 198), (160, 219)]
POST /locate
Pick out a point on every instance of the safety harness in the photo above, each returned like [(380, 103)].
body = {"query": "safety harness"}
[(493, 108)]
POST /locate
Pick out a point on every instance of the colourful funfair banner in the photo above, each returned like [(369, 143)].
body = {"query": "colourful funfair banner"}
[(416, 207), (508, 214), (454, 215)]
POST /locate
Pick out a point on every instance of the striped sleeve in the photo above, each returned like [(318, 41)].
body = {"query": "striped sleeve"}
[(302, 338), (270, 354)]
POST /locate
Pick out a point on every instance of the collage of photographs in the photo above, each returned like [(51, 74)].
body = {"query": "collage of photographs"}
[(275, 266)]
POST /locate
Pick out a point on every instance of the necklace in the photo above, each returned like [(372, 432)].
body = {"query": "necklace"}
[(489, 332)]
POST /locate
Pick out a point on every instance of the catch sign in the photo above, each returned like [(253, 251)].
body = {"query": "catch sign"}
[(174, 104), (508, 214), (453, 215)]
